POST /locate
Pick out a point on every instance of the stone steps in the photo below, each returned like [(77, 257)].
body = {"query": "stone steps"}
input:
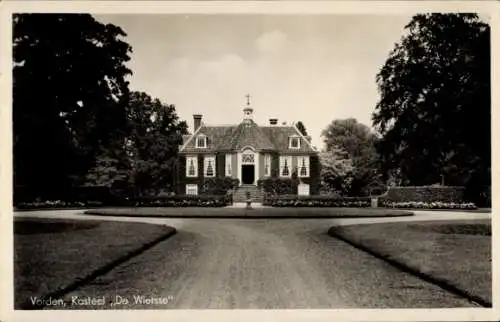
[(239, 194)]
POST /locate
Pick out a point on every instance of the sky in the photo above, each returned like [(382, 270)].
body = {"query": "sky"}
[(309, 68)]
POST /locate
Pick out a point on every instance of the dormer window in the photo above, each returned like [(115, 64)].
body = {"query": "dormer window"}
[(201, 141), (294, 142)]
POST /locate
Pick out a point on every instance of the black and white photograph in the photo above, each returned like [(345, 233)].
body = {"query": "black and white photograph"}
[(219, 158)]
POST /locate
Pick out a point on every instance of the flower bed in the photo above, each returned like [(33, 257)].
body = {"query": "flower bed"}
[(56, 204), (316, 201), (167, 201), (185, 201), (428, 205)]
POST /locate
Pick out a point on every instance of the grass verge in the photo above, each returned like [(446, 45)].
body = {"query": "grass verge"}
[(55, 256), (454, 254), (264, 212)]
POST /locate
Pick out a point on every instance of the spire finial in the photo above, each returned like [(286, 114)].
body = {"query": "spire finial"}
[(248, 99)]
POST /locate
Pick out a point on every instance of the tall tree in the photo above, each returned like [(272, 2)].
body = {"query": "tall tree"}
[(69, 96), (336, 171), (156, 133), (301, 127), (434, 108), (358, 141)]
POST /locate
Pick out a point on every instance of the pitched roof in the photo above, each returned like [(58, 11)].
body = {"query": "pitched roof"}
[(236, 137), (280, 134), (217, 137), (250, 134)]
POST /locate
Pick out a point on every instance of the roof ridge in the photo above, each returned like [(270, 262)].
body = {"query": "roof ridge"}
[(220, 125)]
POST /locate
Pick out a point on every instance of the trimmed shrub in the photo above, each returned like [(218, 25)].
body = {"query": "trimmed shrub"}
[(279, 186), (316, 201), (428, 205), (424, 194), (219, 186)]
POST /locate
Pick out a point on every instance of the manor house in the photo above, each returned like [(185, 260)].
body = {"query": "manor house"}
[(246, 151)]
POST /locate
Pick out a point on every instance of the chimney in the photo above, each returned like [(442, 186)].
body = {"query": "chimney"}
[(273, 121), (197, 121)]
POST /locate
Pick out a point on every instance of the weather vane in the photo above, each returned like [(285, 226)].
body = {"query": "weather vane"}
[(248, 99)]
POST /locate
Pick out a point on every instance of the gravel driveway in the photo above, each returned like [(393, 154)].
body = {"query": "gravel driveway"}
[(261, 264)]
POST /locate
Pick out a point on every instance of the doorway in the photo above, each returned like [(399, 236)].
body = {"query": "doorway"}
[(247, 174)]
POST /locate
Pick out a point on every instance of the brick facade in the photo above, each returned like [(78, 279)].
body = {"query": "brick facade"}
[(246, 138)]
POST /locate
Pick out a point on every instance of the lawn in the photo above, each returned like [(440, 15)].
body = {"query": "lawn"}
[(457, 253), (51, 255), (263, 212)]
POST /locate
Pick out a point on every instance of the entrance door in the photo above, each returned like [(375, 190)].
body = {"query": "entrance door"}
[(247, 173)]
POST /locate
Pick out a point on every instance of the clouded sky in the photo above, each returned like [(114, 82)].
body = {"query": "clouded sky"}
[(309, 68)]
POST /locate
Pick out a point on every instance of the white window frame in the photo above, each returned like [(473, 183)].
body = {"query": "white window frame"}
[(201, 138), (267, 165), (192, 189), (229, 165), (290, 140), (307, 163), (288, 160), (206, 160), (195, 163)]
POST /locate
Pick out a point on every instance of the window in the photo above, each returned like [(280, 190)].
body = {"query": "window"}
[(191, 189), (303, 189), (191, 166), (294, 142), (285, 166), (303, 166), (209, 165), (267, 165), (228, 165), (201, 141)]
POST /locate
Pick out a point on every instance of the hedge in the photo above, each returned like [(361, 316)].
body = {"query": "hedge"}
[(219, 186), (279, 186), (315, 201), (447, 194)]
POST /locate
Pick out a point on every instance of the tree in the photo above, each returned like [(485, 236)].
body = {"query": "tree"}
[(434, 108), (108, 171), (69, 96), (358, 142), (336, 171), (153, 143), (301, 127)]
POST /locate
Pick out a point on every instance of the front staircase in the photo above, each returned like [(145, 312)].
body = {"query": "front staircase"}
[(239, 194)]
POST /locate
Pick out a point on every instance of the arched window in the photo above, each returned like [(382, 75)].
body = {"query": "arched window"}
[(285, 164), (210, 169), (303, 163), (191, 166), (209, 164)]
